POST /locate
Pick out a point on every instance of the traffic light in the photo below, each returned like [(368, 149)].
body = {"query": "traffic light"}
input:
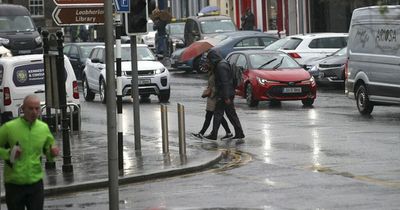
[(136, 20)]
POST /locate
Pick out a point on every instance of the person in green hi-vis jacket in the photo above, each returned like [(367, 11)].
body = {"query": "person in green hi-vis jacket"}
[(22, 142)]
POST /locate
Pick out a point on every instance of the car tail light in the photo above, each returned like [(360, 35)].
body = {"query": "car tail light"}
[(294, 55), (75, 90), (7, 96)]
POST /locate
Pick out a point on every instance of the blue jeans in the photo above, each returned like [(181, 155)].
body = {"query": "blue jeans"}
[(161, 45)]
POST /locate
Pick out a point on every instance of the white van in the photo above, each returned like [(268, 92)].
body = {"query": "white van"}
[(23, 75), (373, 66)]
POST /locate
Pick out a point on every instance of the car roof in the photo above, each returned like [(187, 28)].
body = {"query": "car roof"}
[(247, 52), (13, 10), (246, 33), (84, 43), (19, 58), (210, 17), (124, 45), (317, 35)]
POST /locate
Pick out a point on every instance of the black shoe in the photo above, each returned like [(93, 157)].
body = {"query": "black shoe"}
[(238, 137), (227, 136), (198, 135), (211, 137)]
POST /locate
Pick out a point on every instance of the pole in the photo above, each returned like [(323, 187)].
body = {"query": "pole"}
[(135, 93), (113, 193), (181, 130), (118, 31), (67, 166), (164, 126)]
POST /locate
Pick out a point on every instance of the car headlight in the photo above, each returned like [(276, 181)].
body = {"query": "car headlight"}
[(4, 41), (38, 40), (178, 41), (262, 81), (159, 71), (314, 68)]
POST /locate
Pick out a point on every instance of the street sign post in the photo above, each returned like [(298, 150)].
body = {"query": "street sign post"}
[(78, 15), (122, 6)]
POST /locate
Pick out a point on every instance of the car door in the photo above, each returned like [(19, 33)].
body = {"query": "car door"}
[(99, 67), (90, 69)]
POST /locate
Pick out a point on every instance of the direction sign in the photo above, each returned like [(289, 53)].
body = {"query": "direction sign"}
[(122, 6), (78, 15), (61, 2)]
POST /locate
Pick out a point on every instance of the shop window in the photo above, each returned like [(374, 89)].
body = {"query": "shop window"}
[(272, 6), (36, 7)]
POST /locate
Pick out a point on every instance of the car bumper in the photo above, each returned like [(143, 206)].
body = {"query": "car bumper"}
[(284, 92), (147, 84)]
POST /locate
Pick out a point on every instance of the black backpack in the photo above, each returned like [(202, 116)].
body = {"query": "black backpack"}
[(237, 74)]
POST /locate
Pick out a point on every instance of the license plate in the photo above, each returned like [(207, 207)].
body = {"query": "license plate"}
[(24, 52), (144, 81), (292, 90)]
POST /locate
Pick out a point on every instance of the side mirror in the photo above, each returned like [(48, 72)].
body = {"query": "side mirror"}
[(95, 60)]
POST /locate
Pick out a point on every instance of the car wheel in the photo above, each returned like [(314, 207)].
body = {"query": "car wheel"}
[(163, 96), (87, 93), (364, 105), (198, 67), (307, 102), (251, 102), (102, 91)]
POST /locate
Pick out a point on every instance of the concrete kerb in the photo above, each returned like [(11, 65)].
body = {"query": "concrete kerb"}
[(103, 183)]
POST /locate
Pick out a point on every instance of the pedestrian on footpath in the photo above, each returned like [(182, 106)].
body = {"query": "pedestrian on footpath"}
[(209, 93), (248, 20), (22, 143), (225, 93)]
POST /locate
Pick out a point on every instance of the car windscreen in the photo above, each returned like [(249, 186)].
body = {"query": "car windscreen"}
[(272, 61), (289, 43), (16, 24), (177, 28), (143, 54), (86, 50), (217, 26), (341, 52)]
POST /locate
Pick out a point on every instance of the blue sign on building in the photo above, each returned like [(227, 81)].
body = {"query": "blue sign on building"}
[(122, 6)]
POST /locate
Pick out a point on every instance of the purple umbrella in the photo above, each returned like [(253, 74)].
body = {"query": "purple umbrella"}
[(209, 9)]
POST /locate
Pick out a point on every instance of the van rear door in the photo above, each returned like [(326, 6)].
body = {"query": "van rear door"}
[(27, 79)]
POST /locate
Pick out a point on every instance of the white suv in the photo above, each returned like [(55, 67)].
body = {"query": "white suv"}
[(153, 76), (306, 48)]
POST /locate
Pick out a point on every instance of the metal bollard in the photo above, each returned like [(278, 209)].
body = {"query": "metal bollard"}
[(164, 126), (181, 129)]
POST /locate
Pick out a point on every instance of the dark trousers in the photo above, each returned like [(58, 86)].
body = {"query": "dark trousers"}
[(207, 121), (20, 196), (229, 109)]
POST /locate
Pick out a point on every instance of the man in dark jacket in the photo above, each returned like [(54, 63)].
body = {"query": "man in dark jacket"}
[(225, 93), (248, 20)]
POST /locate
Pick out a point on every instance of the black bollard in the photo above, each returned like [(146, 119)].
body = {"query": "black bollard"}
[(67, 166)]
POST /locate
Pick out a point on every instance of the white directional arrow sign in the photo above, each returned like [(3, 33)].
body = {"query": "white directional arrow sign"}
[(78, 15)]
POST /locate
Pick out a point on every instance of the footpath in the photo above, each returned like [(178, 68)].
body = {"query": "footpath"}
[(89, 156)]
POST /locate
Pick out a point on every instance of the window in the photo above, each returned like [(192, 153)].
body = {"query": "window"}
[(74, 52), (241, 62), (267, 40), (66, 50), (251, 42), (36, 7), (331, 42)]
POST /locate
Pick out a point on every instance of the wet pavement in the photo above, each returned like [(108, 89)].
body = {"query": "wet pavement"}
[(90, 161)]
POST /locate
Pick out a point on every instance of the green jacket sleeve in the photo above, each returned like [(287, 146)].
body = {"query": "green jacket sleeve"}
[(4, 152), (47, 147)]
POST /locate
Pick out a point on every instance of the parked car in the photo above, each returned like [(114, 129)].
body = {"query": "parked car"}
[(242, 40), (78, 53), (25, 74), (176, 38), (330, 70), (202, 27), (227, 43), (18, 32), (147, 39), (272, 76), (306, 48), (154, 77), (373, 70)]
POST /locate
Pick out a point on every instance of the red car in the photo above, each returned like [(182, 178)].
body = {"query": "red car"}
[(272, 76)]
